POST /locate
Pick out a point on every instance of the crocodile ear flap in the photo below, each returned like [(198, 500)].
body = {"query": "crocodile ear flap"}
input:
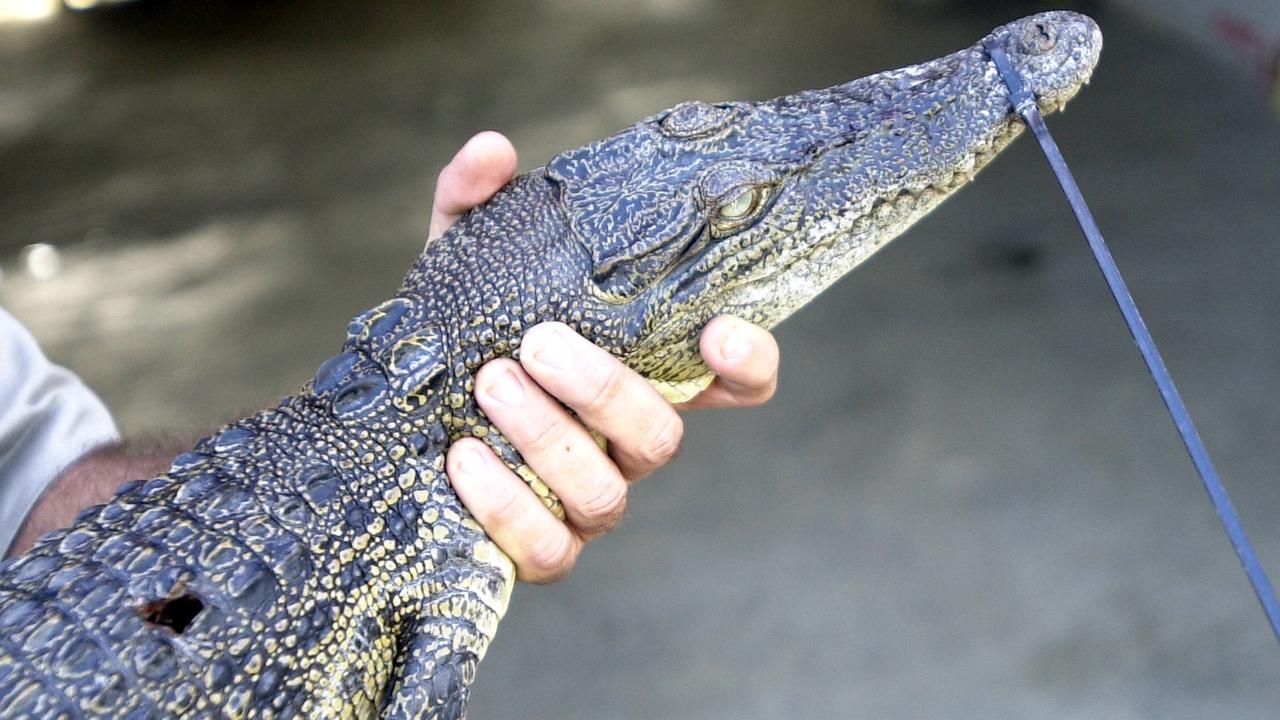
[(634, 214), (415, 366)]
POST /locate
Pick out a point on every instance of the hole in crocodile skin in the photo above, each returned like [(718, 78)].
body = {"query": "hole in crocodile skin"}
[(176, 613)]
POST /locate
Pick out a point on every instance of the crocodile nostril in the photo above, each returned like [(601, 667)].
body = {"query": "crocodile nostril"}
[(1038, 38)]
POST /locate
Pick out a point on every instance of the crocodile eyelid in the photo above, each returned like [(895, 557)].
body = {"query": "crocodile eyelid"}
[(696, 119)]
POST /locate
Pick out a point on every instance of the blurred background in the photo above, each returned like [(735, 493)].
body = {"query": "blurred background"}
[(966, 500)]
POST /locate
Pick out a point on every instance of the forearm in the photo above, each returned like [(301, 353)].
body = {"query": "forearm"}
[(93, 480)]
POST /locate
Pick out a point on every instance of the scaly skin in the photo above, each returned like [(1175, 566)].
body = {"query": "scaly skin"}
[(312, 560)]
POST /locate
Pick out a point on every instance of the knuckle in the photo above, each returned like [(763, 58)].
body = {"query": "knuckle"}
[(607, 387), (766, 392), (604, 511), (663, 443), (551, 557), (547, 431), (509, 508)]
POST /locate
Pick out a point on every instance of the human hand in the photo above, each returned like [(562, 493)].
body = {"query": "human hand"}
[(527, 401)]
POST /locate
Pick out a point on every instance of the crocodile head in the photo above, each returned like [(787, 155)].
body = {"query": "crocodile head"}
[(753, 208)]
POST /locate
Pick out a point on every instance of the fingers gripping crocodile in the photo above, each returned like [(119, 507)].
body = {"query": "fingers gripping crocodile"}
[(312, 560)]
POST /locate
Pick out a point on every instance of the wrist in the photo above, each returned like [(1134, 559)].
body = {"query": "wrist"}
[(92, 480)]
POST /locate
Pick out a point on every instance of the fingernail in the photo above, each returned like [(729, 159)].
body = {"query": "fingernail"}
[(554, 352), (471, 462), (506, 388), (735, 346)]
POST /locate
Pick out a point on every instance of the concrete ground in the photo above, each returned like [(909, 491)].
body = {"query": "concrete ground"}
[(965, 501)]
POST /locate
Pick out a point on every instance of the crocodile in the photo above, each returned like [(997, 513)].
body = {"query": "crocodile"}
[(313, 561)]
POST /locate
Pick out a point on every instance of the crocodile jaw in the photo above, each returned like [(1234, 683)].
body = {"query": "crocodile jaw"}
[(919, 134)]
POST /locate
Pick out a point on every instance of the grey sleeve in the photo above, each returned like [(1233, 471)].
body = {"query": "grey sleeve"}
[(48, 420)]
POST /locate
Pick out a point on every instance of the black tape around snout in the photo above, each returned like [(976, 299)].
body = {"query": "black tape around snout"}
[(1023, 102), (1019, 96)]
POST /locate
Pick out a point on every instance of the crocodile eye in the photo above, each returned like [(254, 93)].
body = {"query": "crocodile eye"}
[(738, 210), (740, 205)]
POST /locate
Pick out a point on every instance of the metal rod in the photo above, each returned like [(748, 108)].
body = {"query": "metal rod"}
[(1024, 103)]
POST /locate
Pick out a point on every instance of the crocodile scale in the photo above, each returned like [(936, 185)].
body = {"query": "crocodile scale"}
[(312, 560)]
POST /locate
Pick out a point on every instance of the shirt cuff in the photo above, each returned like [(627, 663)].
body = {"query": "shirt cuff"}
[(49, 419)]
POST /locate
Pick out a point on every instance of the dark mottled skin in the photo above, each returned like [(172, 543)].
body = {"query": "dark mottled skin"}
[(313, 561)]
